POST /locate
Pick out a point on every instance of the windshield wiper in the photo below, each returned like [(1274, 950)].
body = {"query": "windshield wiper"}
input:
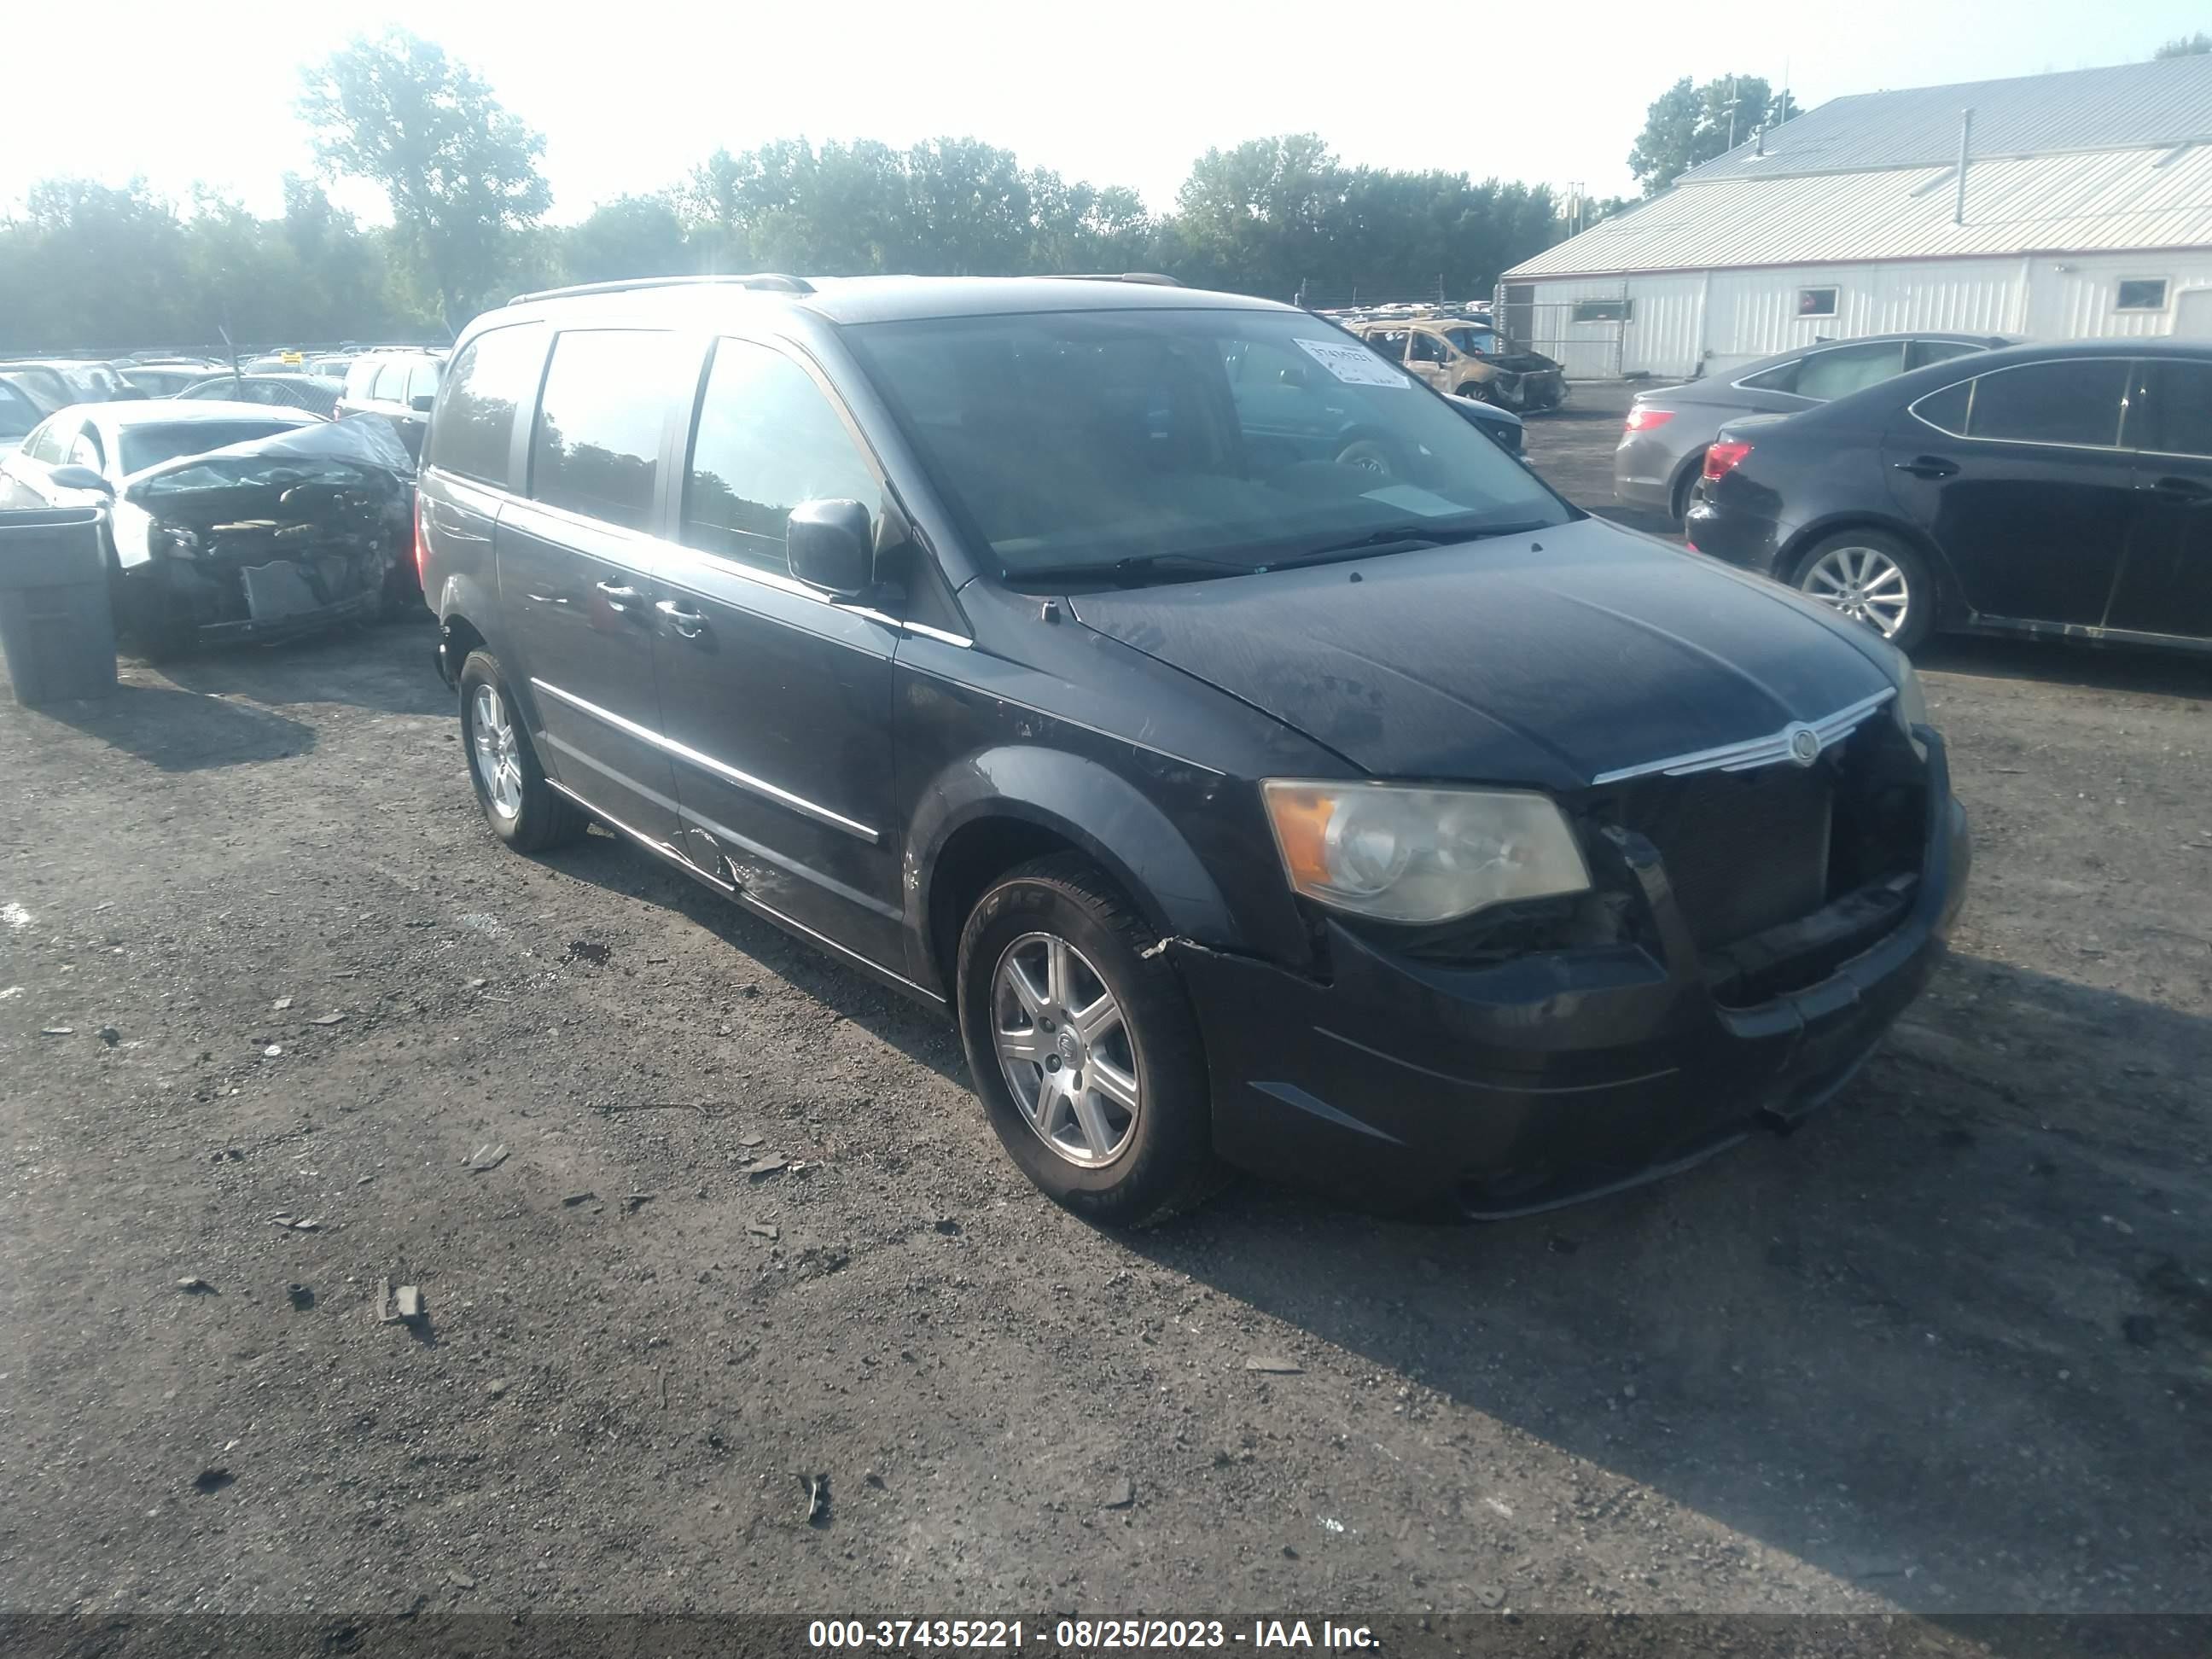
[(1140, 565), (1396, 535)]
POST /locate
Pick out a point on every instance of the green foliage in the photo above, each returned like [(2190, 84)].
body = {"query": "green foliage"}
[(1687, 124), (91, 266), (2185, 45), (460, 170)]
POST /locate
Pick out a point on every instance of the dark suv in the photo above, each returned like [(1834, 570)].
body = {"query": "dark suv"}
[(1325, 798)]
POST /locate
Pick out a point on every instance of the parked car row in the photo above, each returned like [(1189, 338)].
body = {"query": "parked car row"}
[(1925, 482)]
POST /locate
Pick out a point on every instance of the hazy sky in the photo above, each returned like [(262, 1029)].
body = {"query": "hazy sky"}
[(630, 95)]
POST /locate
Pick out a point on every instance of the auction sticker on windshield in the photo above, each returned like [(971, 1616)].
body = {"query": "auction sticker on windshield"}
[(1353, 364)]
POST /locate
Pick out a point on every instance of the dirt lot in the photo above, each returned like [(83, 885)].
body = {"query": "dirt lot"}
[(1949, 1348)]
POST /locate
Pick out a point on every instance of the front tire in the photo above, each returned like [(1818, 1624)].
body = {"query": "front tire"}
[(1875, 579), (522, 808), (1084, 1047)]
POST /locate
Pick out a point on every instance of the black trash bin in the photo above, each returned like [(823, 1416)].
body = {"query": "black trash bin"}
[(56, 629)]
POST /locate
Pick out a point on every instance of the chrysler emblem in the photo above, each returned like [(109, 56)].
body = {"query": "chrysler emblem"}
[(1804, 746)]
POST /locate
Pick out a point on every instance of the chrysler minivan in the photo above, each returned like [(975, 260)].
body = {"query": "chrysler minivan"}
[(1325, 798)]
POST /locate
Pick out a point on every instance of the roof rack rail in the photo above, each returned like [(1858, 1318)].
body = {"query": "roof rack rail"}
[(774, 281), (1155, 278)]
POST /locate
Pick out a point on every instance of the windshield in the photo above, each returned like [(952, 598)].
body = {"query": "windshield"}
[(150, 446), (1077, 440)]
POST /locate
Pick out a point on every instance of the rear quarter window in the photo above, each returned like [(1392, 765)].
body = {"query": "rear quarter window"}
[(496, 375)]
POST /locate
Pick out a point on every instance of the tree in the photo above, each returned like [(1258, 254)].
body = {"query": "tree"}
[(1686, 125), (461, 171), (2186, 45), (630, 236)]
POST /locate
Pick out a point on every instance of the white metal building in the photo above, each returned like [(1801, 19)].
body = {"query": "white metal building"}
[(2085, 209)]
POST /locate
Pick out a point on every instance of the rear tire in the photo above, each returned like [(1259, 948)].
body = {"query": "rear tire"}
[(1860, 572), (522, 808), (1678, 499), (1083, 1046)]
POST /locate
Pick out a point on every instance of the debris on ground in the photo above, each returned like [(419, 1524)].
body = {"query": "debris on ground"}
[(302, 1297), (1330, 1524), (948, 1226), (486, 1158), (401, 1306), (633, 1201), (280, 1004), (58, 1030), (1490, 1595), (1274, 1365), (1122, 1494), (582, 950), (574, 1198), (110, 1035), (497, 1387), (272, 1051), (285, 1220), (762, 1229), (764, 1166), (458, 1579), (817, 1499), (876, 1480), (195, 1285), (749, 1141), (212, 1479), (326, 1019)]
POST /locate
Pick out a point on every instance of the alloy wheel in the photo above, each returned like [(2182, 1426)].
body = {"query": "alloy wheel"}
[(494, 751), (1066, 1049), (1865, 584)]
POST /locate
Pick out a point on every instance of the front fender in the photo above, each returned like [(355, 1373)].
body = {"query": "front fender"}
[(1084, 802)]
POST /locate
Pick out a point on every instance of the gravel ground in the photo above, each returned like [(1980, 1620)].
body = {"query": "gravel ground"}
[(1947, 1349)]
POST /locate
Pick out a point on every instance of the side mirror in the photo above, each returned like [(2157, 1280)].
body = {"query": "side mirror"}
[(1294, 377), (424, 405), (831, 545), (73, 477)]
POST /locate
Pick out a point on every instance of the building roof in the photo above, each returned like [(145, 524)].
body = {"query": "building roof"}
[(2128, 107), (2086, 160), (2107, 200)]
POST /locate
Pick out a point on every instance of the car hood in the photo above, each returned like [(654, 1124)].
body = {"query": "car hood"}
[(1548, 661)]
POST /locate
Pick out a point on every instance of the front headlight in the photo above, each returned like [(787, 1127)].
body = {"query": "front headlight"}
[(1401, 854)]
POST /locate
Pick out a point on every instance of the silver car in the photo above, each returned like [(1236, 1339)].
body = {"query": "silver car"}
[(1662, 442)]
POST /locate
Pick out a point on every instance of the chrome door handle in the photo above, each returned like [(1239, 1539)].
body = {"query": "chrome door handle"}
[(619, 598), (690, 623)]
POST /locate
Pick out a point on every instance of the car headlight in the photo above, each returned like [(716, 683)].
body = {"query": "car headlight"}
[(1401, 853), (1911, 701)]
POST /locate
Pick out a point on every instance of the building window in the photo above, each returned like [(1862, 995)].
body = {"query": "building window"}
[(2141, 294), (1601, 311), (1816, 302)]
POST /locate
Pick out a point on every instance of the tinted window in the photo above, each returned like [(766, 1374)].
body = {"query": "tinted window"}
[(149, 445), (1946, 410), (18, 414), (766, 440), (2069, 402), (1391, 344), (391, 382), (1827, 374), (1925, 352), (495, 374), (1427, 348), (422, 382), (1783, 377), (597, 450), (2183, 405)]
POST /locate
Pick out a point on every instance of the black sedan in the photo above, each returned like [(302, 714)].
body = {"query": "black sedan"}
[(2062, 491)]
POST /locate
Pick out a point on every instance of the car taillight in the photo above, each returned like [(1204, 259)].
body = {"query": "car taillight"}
[(421, 551), (1723, 458), (1641, 419)]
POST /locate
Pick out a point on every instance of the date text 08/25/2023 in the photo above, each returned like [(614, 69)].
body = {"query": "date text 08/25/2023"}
[(1082, 1635)]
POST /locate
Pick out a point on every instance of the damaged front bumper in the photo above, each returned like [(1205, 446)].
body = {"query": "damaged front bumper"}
[(1555, 1077), (264, 540)]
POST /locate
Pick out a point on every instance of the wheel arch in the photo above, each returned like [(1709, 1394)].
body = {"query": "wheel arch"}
[(1793, 552), (1004, 806)]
